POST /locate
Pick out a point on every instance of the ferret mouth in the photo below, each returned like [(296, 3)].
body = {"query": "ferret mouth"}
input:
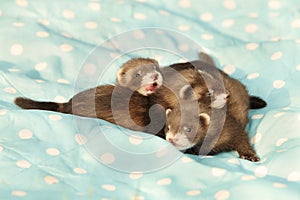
[(150, 88)]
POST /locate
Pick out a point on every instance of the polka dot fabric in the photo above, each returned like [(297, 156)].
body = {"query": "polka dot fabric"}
[(43, 51)]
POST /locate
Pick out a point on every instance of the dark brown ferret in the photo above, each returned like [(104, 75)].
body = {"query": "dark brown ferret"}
[(124, 104), (202, 133)]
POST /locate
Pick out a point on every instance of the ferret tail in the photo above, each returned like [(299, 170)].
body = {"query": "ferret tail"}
[(39, 105), (256, 102)]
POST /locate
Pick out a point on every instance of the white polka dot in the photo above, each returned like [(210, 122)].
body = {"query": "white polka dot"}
[(206, 17), (274, 14), (295, 23), (281, 150), (0, 12), (61, 80), (218, 171), (68, 14), (60, 99), (222, 195), (184, 27), (109, 187), (67, 35), (137, 197), (229, 4), (252, 76), (66, 47), (279, 185), (14, 70), (251, 28), (80, 139), (41, 66), (18, 193), (18, 24), (44, 22), (256, 138), (274, 4), (115, 55), (135, 139), (51, 180), (79, 171), (253, 15), (94, 6), (294, 176), (90, 68), (248, 178), (298, 67), (261, 171), (25, 134), (252, 46), (207, 36), (91, 25), (1, 148), (140, 16), (16, 49), (115, 19), (234, 161), (165, 181), (39, 81), (163, 12), (278, 84), (183, 47), (136, 175), (277, 115), (276, 55), (42, 34), (229, 69), (228, 23), (107, 158), (139, 34), (10, 90), (23, 164), (186, 159), (297, 41), (184, 3), (55, 117), (298, 117), (52, 152), (22, 3), (193, 192), (258, 116), (3, 112), (162, 152)]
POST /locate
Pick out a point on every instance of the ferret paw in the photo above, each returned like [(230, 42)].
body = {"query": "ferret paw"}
[(250, 157)]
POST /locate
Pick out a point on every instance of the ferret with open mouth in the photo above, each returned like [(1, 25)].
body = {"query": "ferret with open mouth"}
[(125, 104)]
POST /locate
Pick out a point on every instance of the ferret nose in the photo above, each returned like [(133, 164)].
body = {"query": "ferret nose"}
[(154, 76), (172, 140)]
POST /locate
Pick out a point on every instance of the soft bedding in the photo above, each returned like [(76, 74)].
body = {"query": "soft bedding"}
[(50, 50)]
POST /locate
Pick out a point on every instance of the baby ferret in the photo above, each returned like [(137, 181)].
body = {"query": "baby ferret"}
[(209, 135), (124, 104)]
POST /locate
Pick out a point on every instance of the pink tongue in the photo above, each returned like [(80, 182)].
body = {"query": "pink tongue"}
[(150, 88)]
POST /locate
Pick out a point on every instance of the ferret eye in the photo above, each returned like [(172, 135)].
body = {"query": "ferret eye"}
[(168, 127), (187, 129), (210, 93), (137, 75)]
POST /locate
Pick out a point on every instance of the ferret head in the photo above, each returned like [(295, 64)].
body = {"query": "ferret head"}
[(141, 75), (216, 91), (184, 127)]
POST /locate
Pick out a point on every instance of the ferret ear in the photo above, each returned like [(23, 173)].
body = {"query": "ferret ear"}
[(120, 75), (168, 112), (204, 57), (204, 119), (187, 92)]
